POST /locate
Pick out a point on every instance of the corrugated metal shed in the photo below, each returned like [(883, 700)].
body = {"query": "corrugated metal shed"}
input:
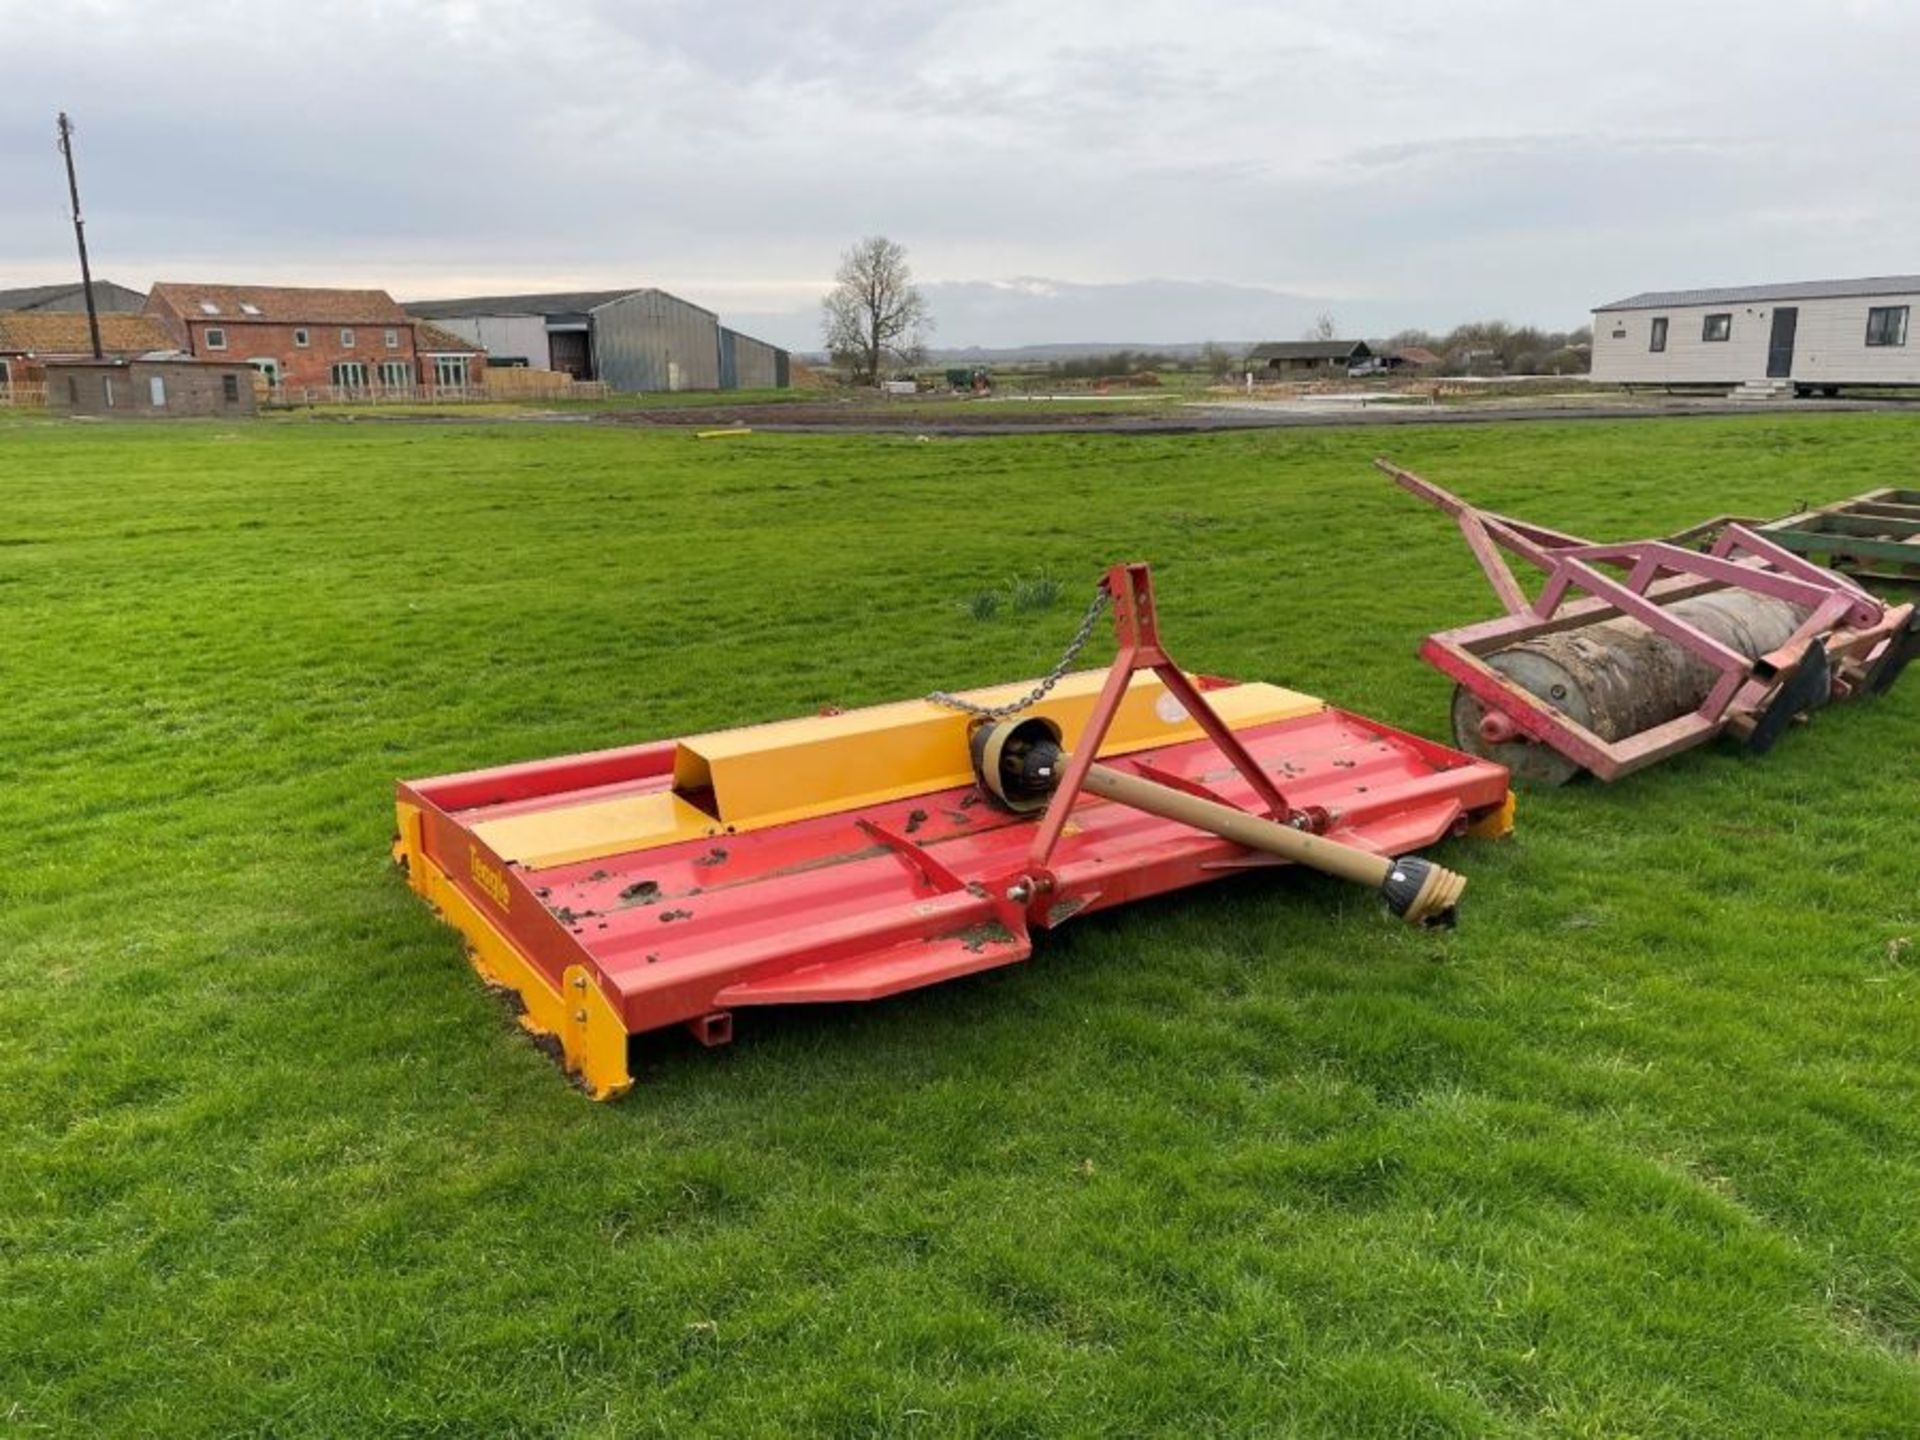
[(650, 340), (750, 364), (641, 340), (1760, 294)]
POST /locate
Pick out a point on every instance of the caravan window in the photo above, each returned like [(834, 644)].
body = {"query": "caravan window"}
[(1887, 325), (1658, 340), (1717, 327)]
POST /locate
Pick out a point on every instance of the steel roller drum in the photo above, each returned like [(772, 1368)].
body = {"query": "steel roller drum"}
[(1618, 678)]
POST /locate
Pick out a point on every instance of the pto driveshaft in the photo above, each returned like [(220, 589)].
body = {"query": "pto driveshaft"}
[(1020, 763), (1416, 890)]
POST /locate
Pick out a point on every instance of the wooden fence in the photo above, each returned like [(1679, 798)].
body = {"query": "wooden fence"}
[(523, 385), (289, 396), (517, 382), (22, 396)]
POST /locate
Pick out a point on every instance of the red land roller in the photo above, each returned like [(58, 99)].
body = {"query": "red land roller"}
[(1635, 651)]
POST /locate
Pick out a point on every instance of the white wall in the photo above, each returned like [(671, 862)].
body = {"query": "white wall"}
[(1830, 345), (507, 337)]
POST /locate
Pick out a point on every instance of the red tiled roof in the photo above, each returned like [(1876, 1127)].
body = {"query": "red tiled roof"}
[(281, 304), (430, 339), (63, 332)]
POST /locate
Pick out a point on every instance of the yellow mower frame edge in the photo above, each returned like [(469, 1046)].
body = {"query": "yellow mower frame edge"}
[(592, 1039)]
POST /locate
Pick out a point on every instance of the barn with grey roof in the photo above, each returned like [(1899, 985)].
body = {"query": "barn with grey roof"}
[(1305, 359), (634, 340), (108, 299)]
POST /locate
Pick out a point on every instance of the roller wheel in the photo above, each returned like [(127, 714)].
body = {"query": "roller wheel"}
[(1526, 760)]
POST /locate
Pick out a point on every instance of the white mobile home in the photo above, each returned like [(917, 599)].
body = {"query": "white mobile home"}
[(1817, 335)]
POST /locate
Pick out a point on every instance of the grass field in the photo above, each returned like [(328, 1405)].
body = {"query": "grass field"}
[(766, 407), (617, 403), (1635, 1152)]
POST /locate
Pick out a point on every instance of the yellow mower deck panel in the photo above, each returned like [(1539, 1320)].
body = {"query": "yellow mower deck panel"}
[(594, 828), (737, 781)]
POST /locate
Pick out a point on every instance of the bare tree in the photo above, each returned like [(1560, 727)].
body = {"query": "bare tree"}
[(874, 310), (1323, 328), (1217, 360)]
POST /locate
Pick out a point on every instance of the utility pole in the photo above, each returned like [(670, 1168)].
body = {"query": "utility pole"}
[(80, 235)]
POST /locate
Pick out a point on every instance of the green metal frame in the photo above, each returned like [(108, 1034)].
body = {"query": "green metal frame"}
[(1873, 536)]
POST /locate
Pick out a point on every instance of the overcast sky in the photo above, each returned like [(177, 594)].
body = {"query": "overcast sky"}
[(1402, 163)]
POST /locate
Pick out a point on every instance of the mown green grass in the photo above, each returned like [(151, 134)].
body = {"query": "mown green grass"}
[(609, 404), (931, 406), (1632, 1153)]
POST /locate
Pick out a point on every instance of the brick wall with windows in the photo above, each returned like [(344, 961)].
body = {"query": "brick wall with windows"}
[(310, 363), (300, 336)]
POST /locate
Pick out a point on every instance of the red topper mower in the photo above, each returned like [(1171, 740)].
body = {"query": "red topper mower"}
[(856, 855)]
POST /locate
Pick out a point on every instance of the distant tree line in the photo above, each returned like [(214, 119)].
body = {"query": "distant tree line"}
[(1493, 347), (1483, 347), (1117, 362)]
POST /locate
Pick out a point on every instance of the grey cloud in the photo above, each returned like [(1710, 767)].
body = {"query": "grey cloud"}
[(1498, 158), (1474, 147)]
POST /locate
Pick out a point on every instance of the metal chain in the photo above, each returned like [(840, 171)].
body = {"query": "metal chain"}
[(1101, 599)]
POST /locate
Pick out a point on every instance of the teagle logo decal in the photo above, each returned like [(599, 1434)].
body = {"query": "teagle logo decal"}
[(489, 878)]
